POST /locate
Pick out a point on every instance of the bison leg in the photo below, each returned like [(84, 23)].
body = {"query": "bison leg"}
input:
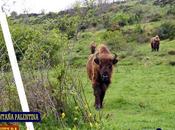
[(97, 93), (153, 46), (157, 47), (101, 98), (103, 91)]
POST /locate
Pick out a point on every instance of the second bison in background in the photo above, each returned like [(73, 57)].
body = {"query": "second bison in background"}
[(99, 69), (155, 42)]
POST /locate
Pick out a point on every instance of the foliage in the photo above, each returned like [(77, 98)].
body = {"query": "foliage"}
[(164, 2), (36, 44), (171, 10), (121, 18), (167, 30), (68, 25), (14, 14), (115, 40)]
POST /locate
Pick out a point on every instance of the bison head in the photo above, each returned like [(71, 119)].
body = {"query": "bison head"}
[(105, 64), (156, 39)]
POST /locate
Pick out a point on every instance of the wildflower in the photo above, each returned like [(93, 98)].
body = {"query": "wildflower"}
[(86, 106), (74, 128), (96, 124), (91, 124), (71, 92), (76, 107), (75, 119), (90, 114), (62, 115)]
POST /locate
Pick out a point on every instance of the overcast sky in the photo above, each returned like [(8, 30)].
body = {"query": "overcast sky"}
[(35, 6)]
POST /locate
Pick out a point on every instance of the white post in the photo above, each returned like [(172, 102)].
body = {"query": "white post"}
[(14, 65)]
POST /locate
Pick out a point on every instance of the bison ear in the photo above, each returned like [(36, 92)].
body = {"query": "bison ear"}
[(96, 60)]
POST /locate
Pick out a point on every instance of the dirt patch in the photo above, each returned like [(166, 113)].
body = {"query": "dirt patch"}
[(172, 63), (171, 52), (122, 57)]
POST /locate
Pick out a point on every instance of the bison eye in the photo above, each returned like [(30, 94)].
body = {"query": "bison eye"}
[(110, 66)]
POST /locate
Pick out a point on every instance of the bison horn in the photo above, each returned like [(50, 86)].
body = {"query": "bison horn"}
[(115, 56), (115, 60), (96, 60)]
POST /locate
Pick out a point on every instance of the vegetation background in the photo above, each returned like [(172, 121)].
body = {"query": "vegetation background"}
[(52, 50)]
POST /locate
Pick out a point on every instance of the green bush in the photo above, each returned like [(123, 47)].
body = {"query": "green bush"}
[(46, 50), (34, 44), (121, 18), (139, 29), (142, 38), (68, 25), (155, 17), (167, 30), (133, 19), (115, 40), (22, 36), (171, 11)]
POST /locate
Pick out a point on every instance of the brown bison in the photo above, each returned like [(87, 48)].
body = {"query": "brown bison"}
[(99, 69), (155, 42)]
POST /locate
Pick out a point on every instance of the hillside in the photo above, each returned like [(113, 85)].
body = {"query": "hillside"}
[(52, 51)]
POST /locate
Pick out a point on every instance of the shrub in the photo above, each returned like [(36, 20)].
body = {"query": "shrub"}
[(139, 29), (22, 36), (121, 18), (115, 40), (171, 11), (140, 34), (83, 26), (155, 17), (142, 38), (46, 49), (68, 25), (106, 20), (166, 30), (113, 27), (133, 19)]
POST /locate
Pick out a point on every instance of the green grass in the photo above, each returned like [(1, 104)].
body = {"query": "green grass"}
[(142, 93)]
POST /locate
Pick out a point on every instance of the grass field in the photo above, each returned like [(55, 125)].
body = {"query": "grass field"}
[(142, 93)]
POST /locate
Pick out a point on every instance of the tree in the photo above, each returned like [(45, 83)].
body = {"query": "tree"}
[(164, 2), (13, 14), (43, 11), (89, 3)]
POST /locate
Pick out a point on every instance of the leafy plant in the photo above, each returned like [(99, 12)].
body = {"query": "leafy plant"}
[(167, 30), (121, 18)]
